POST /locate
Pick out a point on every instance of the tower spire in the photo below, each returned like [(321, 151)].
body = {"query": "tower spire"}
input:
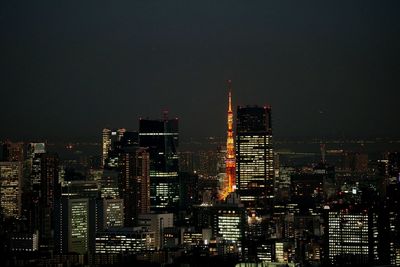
[(230, 96), (230, 161)]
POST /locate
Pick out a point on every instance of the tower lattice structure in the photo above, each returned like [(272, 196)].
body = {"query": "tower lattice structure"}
[(230, 160)]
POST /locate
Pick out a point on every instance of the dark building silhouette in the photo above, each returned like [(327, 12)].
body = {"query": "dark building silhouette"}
[(161, 137), (135, 183), (13, 151), (48, 193), (394, 165)]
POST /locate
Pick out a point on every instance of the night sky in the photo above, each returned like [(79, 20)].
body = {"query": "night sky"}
[(328, 68)]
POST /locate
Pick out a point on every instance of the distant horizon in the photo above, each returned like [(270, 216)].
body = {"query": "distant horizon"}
[(185, 139)]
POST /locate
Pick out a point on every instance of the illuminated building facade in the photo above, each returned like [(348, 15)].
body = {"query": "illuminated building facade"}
[(230, 163), (190, 238), (108, 138), (228, 223), (34, 155), (113, 213), (156, 223), (352, 237), (109, 185), (75, 225), (10, 188), (254, 154), (124, 241), (161, 138), (78, 227), (21, 242)]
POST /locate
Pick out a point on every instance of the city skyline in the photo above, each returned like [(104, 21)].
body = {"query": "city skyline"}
[(200, 133), (325, 64)]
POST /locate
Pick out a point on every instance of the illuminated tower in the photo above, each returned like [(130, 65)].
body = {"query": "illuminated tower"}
[(230, 162)]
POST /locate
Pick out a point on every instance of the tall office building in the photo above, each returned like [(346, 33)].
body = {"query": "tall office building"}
[(109, 137), (352, 236), (48, 189), (135, 182), (10, 189), (254, 154), (35, 151), (394, 165), (161, 138), (112, 213), (391, 223), (75, 225), (228, 223)]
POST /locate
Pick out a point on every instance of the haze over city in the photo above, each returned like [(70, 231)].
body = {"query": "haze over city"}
[(69, 69)]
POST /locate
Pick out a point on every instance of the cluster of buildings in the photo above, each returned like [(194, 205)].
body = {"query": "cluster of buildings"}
[(141, 205)]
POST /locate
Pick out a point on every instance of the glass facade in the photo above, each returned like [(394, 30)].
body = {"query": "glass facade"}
[(161, 137), (254, 154)]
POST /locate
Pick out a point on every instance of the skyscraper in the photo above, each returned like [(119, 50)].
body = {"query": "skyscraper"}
[(161, 137), (48, 188), (112, 211), (109, 137), (135, 183), (10, 188), (352, 236), (254, 154), (75, 225)]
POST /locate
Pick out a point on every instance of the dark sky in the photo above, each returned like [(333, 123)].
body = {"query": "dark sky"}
[(327, 67)]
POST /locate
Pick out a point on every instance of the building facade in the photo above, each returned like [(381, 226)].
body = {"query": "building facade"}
[(10, 188), (161, 138), (254, 155)]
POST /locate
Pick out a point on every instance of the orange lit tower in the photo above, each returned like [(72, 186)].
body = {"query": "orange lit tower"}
[(230, 161)]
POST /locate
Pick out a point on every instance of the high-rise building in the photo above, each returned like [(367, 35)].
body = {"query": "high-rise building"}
[(352, 236), (10, 188), (48, 187), (126, 173), (161, 138), (135, 183), (228, 224), (394, 165), (390, 220), (254, 154), (109, 137), (112, 211), (13, 151), (34, 157), (76, 225)]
